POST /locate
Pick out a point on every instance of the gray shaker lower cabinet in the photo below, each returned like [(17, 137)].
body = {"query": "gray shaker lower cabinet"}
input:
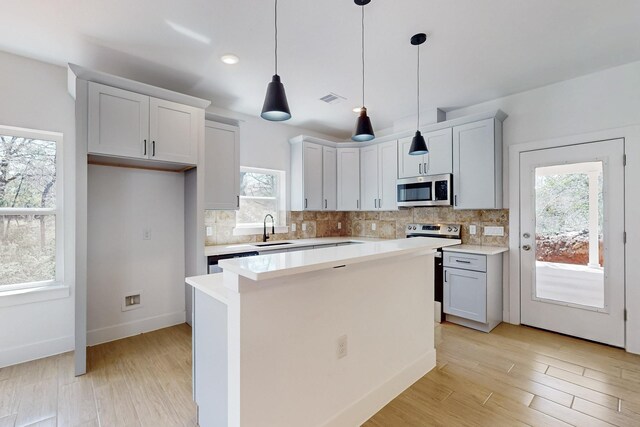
[(473, 290)]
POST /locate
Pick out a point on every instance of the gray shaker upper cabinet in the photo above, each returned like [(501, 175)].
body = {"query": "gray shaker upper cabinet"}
[(439, 160), (477, 165)]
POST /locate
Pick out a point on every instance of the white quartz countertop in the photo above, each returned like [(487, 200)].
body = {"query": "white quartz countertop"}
[(212, 285), (271, 266), (475, 249), (298, 243)]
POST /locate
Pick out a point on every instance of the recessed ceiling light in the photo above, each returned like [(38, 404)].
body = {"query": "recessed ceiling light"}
[(230, 59)]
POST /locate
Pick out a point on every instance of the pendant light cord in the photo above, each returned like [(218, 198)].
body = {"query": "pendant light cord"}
[(418, 91), (276, 33), (362, 56)]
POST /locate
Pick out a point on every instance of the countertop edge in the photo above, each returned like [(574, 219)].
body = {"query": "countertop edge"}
[(211, 285), (295, 243), (476, 250)]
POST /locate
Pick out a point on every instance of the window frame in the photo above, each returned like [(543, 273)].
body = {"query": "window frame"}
[(243, 229), (56, 286)]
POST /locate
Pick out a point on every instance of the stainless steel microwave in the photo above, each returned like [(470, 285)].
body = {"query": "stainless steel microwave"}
[(425, 191)]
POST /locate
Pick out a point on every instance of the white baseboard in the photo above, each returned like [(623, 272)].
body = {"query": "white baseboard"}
[(363, 409), (124, 330), (34, 351)]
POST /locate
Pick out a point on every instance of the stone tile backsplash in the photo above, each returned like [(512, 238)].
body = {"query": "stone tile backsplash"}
[(389, 225)]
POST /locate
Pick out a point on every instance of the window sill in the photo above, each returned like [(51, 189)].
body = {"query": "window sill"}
[(247, 231), (30, 295)]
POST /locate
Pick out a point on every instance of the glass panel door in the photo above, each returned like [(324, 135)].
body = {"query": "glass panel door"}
[(569, 234)]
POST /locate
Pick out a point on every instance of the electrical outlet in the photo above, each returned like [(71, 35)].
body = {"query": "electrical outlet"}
[(472, 230), (304, 227), (339, 226), (494, 231), (132, 301), (293, 226), (209, 231), (341, 350), (373, 226), (146, 234)]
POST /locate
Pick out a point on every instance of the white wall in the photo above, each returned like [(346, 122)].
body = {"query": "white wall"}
[(34, 95), (122, 203), (604, 100)]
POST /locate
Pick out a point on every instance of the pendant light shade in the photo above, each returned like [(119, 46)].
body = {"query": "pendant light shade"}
[(364, 129), (418, 144), (276, 106)]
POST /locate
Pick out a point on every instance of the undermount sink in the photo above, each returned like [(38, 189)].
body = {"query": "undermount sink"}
[(272, 244)]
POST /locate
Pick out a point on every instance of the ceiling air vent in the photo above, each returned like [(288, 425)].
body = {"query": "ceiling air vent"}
[(333, 98)]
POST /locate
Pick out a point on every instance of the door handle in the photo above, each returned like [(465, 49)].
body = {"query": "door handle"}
[(526, 247), (420, 168), (153, 148), (145, 147)]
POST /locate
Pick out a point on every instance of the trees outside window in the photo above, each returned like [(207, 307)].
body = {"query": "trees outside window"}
[(29, 208), (261, 193)]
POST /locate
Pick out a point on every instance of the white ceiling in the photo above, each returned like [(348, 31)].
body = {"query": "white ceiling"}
[(477, 50)]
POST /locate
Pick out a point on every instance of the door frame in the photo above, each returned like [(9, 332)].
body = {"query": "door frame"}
[(631, 137)]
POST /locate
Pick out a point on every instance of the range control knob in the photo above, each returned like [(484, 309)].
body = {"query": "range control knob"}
[(414, 227), (449, 229)]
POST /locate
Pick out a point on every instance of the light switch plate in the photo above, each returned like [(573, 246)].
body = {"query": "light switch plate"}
[(293, 226), (304, 227), (339, 225), (209, 231), (494, 231), (472, 230), (373, 226)]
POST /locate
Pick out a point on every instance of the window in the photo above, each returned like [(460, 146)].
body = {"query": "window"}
[(30, 220), (262, 192)]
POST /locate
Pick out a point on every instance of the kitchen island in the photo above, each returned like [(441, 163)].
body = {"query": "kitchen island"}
[(322, 337)]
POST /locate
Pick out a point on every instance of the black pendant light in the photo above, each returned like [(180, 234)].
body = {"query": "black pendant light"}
[(276, 107), (418, 144), (364, 130)]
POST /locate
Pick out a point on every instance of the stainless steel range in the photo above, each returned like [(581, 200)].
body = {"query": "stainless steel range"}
[(441, 231)]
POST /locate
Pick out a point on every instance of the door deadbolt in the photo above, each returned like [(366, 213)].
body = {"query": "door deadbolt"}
[(526, 247), (526, 235)]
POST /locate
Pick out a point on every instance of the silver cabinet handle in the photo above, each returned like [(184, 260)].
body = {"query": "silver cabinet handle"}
[(153, 148), (238, 200), (305, 203), (357, 204), (463, 262), (445, 275), (325, 203), (145, 147), (455, 200), (375, 203), (526, 247), (379, 203), (425, 168), (420, 168)]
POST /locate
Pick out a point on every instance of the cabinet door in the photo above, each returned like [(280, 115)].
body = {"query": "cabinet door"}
[(387, 175), (222, 166), (465, 294), (440, 158), (348, 179), (408, 165), (173, 129), (312, 177), (369, 178), (329, 179), (474, 169), (118, 122)]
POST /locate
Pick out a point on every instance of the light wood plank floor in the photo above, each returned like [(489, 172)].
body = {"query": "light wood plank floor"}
[(513, 376)]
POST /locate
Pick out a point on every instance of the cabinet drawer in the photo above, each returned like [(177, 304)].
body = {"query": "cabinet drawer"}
[(466, 261)]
